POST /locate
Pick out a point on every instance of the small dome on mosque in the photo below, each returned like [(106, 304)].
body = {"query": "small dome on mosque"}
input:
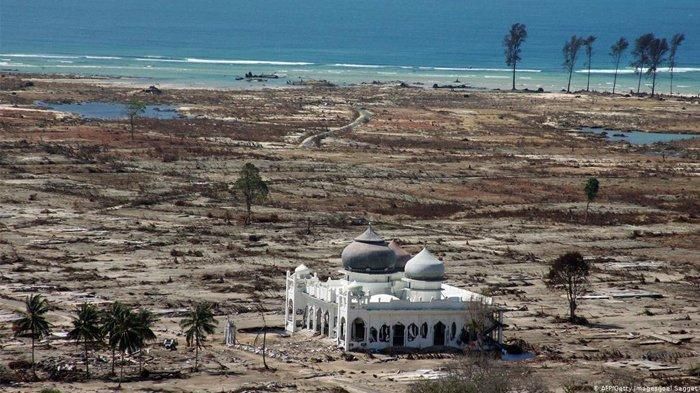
[(369, 253), (425, 267), (302, 270), (382, 298)]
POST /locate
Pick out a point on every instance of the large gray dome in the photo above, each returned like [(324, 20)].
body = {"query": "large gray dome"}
[(369, 253), (402, 256), (425, 267)]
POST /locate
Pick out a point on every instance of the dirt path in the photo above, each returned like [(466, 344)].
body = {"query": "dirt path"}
[(310, 141)]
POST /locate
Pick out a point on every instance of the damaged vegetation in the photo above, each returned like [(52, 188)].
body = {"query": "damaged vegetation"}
[(492, 181)]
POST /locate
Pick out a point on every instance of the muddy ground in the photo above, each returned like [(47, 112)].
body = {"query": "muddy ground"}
[(490, 181)]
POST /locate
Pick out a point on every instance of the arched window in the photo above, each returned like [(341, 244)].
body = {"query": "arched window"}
[(317, 324), (384, 333), (424, 330), (290, 310), (453, 331), (326, 323), (358, 330), (372, 335), (412, 332), (439, 334), (399, 337), (300, 312), (342, 328)]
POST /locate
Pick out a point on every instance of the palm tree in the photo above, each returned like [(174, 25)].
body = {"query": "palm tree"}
[(109, 321), (33, 321), (197, 324), (512, 42), (588, 44), (570, 50), (675, 43), (145, 320), (616, 52), (125, 337), (86, 328), (641, 57), (656, 51)]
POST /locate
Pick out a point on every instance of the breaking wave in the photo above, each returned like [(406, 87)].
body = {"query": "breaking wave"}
[(246, 62), (160, 59), (39, 56), (103, 57), (350, 65), (478, 69), (55, 56), (632, 70)]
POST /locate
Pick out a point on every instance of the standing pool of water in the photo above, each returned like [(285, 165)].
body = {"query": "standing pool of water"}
[(637, 137), (511, 357), (110, 110)]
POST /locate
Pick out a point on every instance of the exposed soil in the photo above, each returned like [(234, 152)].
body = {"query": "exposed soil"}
[(492, 182)]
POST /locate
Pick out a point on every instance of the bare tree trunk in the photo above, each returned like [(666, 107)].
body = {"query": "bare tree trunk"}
[(33, 364), (196, 355), (263, 347), (249, 215), (113, 359), (513, 75), (585, 217), (671, 90), (570, 294), (87, 363), (121, 370), (572, 310), (568, 86), (639, 82), (588, 83), (653, 83), (617, 67)]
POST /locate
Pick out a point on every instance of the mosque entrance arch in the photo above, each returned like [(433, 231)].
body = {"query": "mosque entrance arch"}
[(342, 329), (358, 330), (399, 335), (326, 323), (301, 313), (317, 325), (439, 334)]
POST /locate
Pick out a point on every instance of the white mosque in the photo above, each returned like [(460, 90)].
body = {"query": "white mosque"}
[(386, 298)]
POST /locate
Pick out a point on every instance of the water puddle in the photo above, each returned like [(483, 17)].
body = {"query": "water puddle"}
[(110, 110), (513, 357), (637, 137)]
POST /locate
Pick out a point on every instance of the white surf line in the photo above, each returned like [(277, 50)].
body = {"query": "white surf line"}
[(363, 117)]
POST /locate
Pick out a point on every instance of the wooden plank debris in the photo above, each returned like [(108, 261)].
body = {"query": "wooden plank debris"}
[(668, 339)]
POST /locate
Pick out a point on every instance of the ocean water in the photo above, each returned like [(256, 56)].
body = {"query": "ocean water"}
[(210, 42)]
